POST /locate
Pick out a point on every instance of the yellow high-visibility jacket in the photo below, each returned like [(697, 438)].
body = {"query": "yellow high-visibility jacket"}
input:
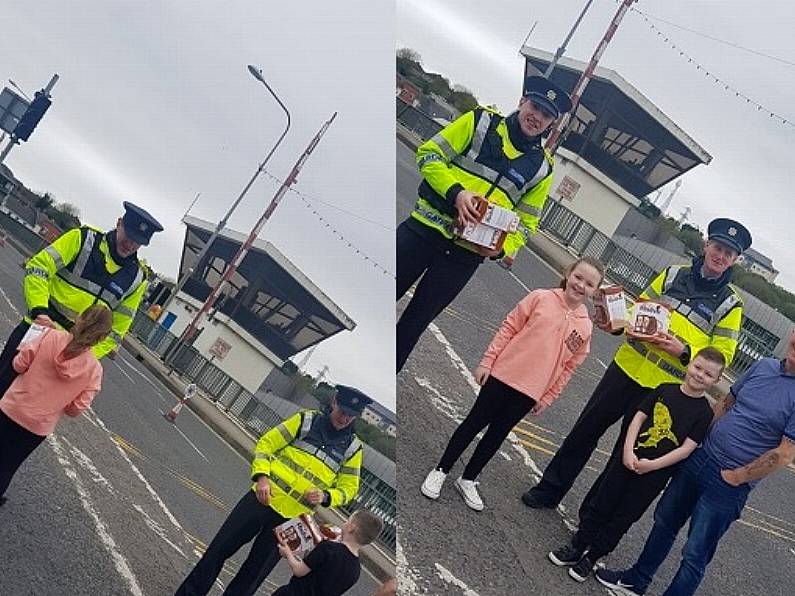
[(295, 460), (699, 318), (76, 271), (475, 153)]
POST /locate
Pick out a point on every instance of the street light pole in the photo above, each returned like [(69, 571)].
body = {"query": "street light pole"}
[(231, 268), (257, 73), (562, 49)]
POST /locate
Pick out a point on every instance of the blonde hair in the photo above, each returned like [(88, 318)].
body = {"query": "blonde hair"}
[(588, 260), (90, 328)]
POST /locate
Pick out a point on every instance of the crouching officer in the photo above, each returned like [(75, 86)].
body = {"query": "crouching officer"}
[(80, 268), (481, 154), (310, 460)]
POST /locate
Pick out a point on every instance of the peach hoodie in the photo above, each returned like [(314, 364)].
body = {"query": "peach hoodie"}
[(539, 345), (49, 385)]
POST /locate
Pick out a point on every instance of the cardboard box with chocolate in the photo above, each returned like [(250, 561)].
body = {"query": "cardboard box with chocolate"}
[(610, 308), (649, 318), (301, 534), (494, 225)]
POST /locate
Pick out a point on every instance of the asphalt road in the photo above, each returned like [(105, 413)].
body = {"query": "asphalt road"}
[(445, 548), (118, 501)]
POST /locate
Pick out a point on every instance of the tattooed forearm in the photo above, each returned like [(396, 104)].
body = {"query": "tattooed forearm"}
[(760, 467)]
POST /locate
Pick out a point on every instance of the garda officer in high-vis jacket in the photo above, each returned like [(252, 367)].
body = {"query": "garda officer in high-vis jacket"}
[(310, 460), (481, 154), (80, 268), (706, 311)]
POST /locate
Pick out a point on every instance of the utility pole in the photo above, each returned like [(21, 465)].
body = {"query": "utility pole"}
[(562, 48), (554, 139), (231, 268)]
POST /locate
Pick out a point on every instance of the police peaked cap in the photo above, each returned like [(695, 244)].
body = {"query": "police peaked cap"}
[(138, 224), (729, 232), (548, 94), (351, 401)]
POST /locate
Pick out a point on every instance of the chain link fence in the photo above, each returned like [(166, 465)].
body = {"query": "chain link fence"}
[(257, 417)]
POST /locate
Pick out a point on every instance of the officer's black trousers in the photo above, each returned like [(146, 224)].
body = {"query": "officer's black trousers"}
[(445, 269), (615, 396), (16, 444), (248, 520), (7, 372)]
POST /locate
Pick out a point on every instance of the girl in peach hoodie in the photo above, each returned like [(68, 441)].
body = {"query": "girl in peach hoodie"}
[(529, 361), (58, 374)]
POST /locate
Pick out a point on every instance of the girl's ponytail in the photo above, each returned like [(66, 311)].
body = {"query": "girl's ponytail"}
[(91, 327)]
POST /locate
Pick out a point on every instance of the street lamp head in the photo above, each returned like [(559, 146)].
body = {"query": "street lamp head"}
[(256, 72)]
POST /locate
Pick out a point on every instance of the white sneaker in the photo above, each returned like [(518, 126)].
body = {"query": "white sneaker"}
[(469, 490), (433, 484)]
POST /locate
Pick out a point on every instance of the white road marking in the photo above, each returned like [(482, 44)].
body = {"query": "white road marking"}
[(187, 439), (505, 455), (407, 577), (102, 531), (602, 364), (121, 370), (446, 407), (449, 578), (140, 476), (98, 478), (142, 375), (520, 282)]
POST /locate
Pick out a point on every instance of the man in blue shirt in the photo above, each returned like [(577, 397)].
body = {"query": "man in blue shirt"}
[(753, 435)]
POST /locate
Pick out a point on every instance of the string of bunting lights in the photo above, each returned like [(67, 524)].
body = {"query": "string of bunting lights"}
[(306, 202), (690, 60)]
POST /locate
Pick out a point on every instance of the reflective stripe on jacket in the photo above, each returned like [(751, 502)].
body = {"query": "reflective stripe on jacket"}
[(698, 319), (77, 271), (475, 153), (295, 465)]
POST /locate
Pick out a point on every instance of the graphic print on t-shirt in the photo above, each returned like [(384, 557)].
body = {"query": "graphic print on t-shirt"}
[(671, 417), (662, 428)]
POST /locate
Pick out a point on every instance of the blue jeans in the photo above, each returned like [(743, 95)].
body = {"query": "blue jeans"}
[(696, 492)]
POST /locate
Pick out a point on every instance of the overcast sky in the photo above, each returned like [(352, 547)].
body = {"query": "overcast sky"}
[(155, 104), (751, 175)]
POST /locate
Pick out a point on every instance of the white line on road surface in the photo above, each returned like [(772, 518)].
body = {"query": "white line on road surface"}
[(449, 578), (187, 439), (121, 370), (140, 476), (407, 577), (98, 478), (520, 282), (603, 365), (142, 375), (102, 531), (446, 407)]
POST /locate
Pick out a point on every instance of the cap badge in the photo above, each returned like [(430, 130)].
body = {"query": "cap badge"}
[(551, 95), (732, 231), (354, 401), (142, 226)]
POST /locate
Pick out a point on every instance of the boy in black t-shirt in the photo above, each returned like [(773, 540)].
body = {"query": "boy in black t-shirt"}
[(331, 568), (667, 427)]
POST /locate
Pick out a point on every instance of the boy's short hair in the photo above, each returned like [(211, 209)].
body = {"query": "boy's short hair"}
[(367, 526), (713, 355)]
